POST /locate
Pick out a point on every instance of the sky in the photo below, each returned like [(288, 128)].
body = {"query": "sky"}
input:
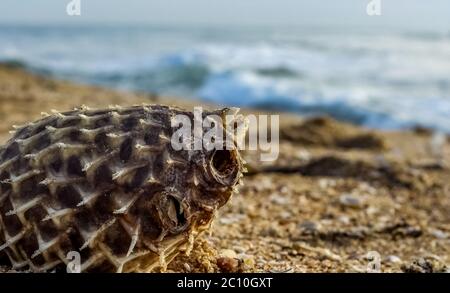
[(414, 14)]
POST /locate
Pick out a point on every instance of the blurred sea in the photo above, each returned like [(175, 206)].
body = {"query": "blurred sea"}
[(379, 79)]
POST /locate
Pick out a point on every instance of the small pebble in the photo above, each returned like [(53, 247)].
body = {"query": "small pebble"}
[(228, 265), (231, 219), (344, 220), (265, 183), (413, 232), (285, 215), (228, 253), (303, 155), (269, 232), (261, 262), (187, 267), (323, 183), (239, 249), (439, 234), (350, 201), (326, 183), (284, 190), (309, 226), (248, 260), (393, 259), (278, 199)]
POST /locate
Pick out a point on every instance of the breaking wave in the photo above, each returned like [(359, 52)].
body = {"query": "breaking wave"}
[(378, 80)]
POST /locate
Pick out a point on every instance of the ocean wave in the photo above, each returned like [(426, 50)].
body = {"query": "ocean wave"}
[(383, 81), (249, 90)]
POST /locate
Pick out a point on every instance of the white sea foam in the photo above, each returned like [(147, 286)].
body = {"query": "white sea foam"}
[(383, 80)]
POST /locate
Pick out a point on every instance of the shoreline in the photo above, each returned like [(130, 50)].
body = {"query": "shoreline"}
[(336, 192)]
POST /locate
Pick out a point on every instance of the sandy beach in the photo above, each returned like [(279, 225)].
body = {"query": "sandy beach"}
[(337, 195)]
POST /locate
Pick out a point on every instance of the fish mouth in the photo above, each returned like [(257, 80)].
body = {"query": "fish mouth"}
[(225, 167), (173, 212)]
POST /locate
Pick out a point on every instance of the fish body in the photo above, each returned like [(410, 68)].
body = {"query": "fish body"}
[(107, 185)]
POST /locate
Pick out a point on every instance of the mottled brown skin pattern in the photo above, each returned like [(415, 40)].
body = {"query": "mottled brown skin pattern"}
[(107, 184)]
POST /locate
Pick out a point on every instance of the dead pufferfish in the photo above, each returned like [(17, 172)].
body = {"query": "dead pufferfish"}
[(108, 185)]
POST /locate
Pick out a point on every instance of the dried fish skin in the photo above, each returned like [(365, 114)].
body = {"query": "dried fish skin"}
[(108, 184)]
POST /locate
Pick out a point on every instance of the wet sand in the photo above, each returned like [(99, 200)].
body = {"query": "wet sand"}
[(336, 192)]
